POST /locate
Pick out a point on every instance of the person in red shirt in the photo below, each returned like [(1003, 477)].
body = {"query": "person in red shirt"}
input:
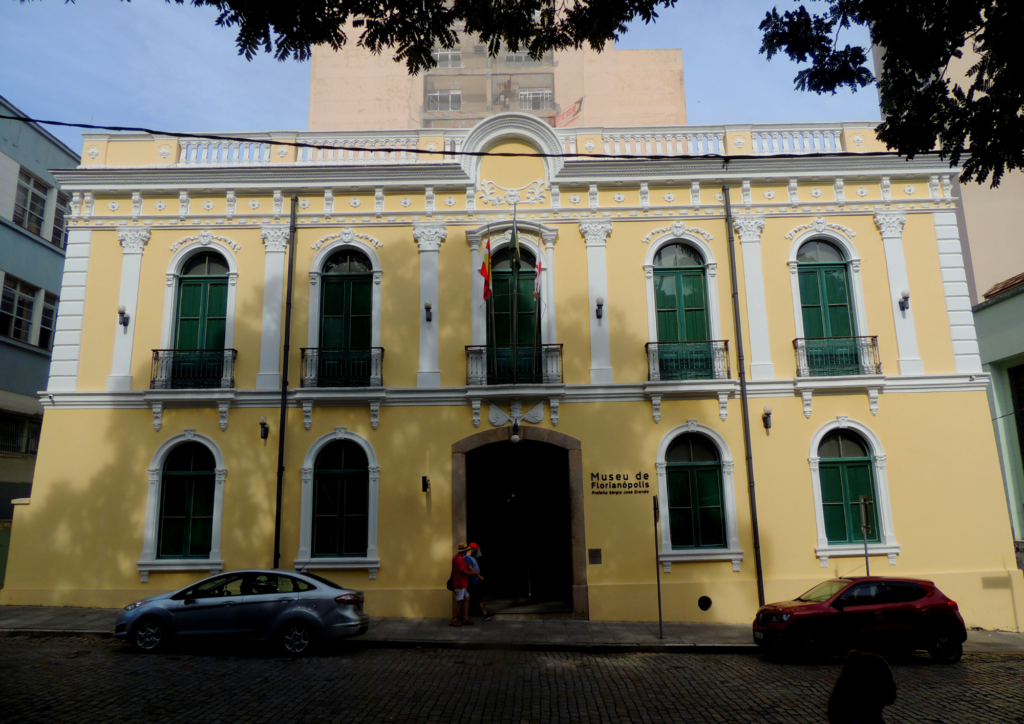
[(460, 583)]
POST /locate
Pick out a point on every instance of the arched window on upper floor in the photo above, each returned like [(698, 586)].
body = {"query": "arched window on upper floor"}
[(514, 319)]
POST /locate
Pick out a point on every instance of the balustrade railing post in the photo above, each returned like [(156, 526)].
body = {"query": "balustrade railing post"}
[(653, 364), (228, 374), (376, 367)]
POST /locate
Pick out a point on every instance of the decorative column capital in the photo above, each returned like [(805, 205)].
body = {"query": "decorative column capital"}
[(596, 233), (749, 228), (275, 237), (220, 475), (133, 240), (429, 237), (890, 224)]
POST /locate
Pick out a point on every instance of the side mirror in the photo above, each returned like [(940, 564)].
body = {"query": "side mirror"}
[(189, 600), (838, 604)]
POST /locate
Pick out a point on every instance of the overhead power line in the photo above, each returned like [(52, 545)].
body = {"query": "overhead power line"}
[(478, 154)]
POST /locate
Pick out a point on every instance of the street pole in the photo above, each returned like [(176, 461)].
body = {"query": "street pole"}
[(865, 528), (657, 568)]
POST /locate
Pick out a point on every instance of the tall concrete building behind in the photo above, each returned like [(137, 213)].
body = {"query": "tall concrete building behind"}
[(356, 90)]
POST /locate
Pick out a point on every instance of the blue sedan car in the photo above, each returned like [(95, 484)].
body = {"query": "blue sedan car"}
[(296, 610)]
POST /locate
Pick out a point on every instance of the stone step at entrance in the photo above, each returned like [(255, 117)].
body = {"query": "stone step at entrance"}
[(528, 609)]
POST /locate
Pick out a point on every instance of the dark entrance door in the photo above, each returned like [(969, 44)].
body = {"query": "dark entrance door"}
[(517, 510)]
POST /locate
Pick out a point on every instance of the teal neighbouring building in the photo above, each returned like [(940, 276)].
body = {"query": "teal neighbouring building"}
[(999, 320), (32, 249)]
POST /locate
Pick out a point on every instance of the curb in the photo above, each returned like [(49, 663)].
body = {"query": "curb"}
[(34, 633), (594, 648)]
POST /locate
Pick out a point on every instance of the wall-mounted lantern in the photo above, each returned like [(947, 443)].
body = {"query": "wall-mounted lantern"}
[(600, 307), (264, 428), (426, 484), (766, 418), (904, 300), (429, 309), (123, 317), (515, 432)]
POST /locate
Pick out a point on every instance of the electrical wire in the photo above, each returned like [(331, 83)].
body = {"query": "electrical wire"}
[(477, 154)]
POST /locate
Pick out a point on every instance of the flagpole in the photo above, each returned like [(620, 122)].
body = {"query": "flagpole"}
[(514, 302)]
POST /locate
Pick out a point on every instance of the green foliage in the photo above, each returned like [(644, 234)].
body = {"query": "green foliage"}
[(980, 126)]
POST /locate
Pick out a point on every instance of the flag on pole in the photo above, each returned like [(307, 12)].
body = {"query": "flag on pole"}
[(485, 270), (536, 280)]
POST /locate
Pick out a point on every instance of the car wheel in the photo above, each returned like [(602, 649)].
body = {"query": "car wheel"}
[(807, 647), (149, 635), (297, 638), (946, 649)]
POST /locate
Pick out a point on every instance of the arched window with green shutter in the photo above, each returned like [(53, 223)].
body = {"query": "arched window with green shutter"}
[(513, 329), (200, 320), (186, 503), (846, 474), (696, 509), (826, 307), (680, 293), (341, 494), (346, 320)]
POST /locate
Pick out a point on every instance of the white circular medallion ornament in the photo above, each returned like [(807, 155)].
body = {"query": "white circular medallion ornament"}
[(670, 197), (304, 204), (164, 152), (512, 198), (431, 147), (113, 206), (740, 142), (619, 198), (405, 201), (862, 191), (858, 139), (589, 145), (909, 190), (449, 201), (354, 203), (160, 205), (719, 197), (282, 151), (208, 205), (254, 204), (815, 192), (769, 194), (93, 152), (574, 199)]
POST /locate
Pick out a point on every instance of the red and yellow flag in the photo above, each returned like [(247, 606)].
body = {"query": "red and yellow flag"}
[(485, 270)]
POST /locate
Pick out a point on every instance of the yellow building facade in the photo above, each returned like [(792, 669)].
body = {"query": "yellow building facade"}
[(407, 388)]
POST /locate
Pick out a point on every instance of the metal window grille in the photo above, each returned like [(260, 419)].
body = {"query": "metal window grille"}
[(16, 309), (19, 435), (445, 100), (30, 203), (536, 99)]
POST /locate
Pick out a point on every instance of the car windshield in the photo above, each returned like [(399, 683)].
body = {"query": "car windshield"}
[(823, 591), (324, 581)]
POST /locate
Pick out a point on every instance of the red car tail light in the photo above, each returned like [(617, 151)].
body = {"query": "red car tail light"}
[(952, 604), (347, 599)]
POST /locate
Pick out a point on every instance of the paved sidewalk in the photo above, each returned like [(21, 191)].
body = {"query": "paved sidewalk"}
[(561, 635)]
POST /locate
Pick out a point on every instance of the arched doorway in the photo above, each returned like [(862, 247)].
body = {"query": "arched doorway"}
[(534, 543)]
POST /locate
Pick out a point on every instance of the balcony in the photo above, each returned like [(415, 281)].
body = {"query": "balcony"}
[(837, 356), (178, 369), (342, 367), (670, 361), (524, 364)]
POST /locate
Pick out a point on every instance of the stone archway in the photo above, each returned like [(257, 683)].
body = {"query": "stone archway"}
[(580, 596)]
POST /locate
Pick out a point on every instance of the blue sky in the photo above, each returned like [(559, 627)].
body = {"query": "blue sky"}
[(169, 67)]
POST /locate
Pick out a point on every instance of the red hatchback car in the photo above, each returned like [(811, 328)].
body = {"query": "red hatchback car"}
[(899, 615)]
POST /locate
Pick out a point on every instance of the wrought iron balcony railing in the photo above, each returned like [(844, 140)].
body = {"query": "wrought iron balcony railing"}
[(523, 364), (835, 356), (707, 360), (192, 369), (342, 366)]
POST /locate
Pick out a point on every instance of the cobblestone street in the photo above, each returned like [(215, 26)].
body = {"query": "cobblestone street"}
[(89, 680)]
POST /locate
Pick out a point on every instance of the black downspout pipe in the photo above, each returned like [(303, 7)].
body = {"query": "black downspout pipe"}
[(284, 381), (743, 397)]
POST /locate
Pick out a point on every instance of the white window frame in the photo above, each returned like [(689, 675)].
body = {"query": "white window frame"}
[(47, 192), (732, 552), (710, 277), (887, 545), (173, 275), (860, 322), (148, 561), (537, 94), (450, 93), (328, 246), (448, 56), (304, 560)]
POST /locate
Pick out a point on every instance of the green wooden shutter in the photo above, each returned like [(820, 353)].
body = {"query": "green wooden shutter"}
[(810, 303), (833, 503), (501, 302), (326, 506), (666, 299), (356, 513), (201, 514), (190, 312), (680, 508), (695, 314), (526, 310), (332, 313), (837, 299), (216, 315), (360, 332), (709, 500), (859, 482)]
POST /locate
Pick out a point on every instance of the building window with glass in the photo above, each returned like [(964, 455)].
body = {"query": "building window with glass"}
[(341, 494), (695, 503), (16, 307), (186, 502), (513, 320), (30, 203), (444, 100), (19, 435), (199, 355), (345, 357), (847, 478), (536, 99), (447, 58), (59, 238)]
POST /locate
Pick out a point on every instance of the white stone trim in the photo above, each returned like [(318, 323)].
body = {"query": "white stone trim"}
[(67, 336), (966, 354), (342, 241), (860, 320), (148, 561), (732, 552), (750, 228), (890, 226), (887, 544), (596, 234), (511, 126), (133, 242), (304, 558), (710, 281), (429, 237), (275, 239), (173, 278)]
